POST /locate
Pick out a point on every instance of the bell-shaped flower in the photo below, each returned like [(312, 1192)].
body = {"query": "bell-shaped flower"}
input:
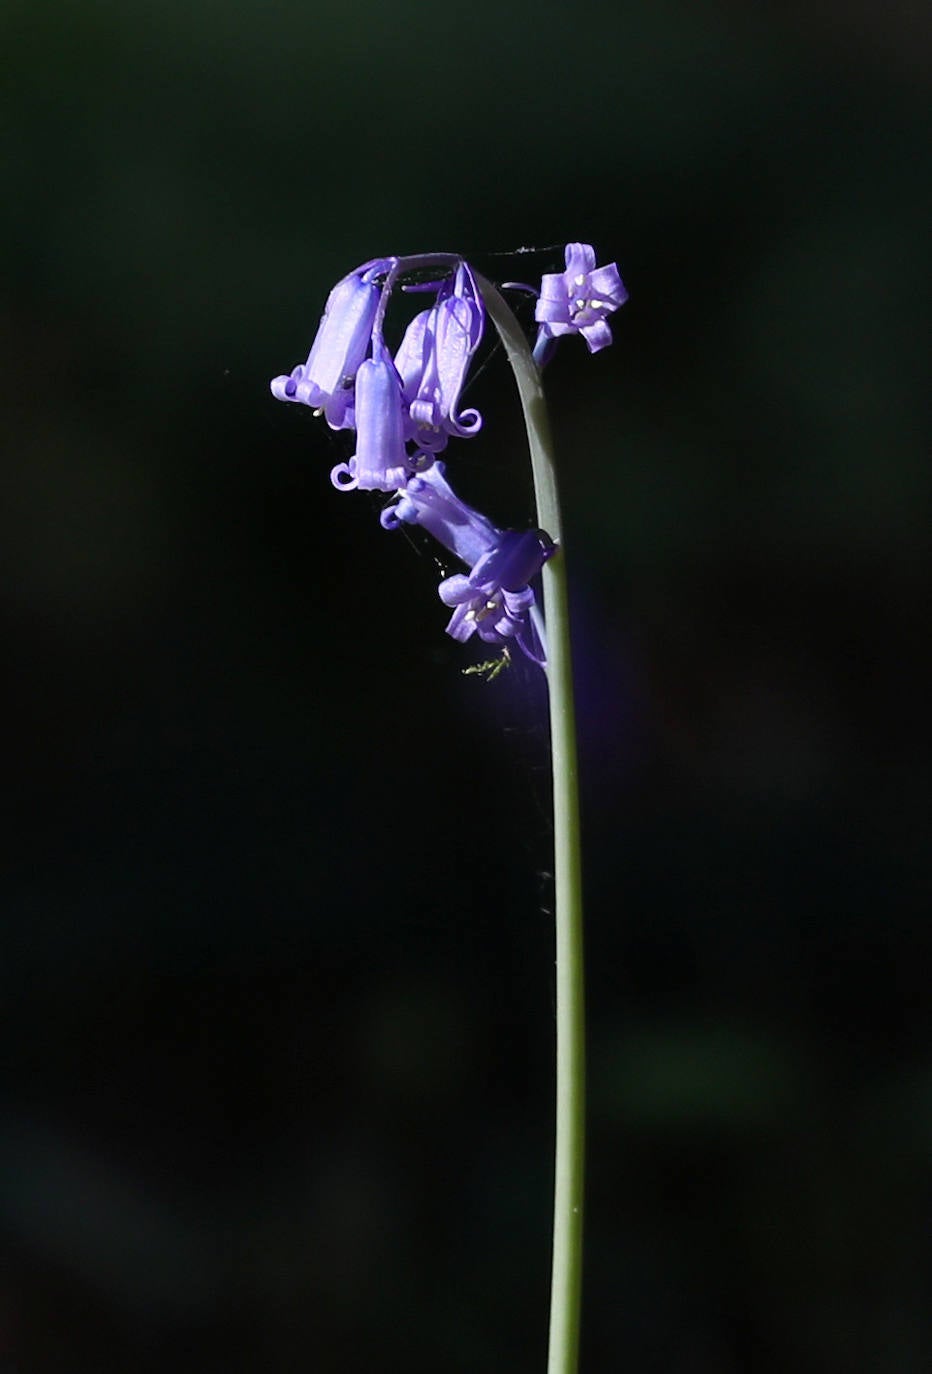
[(325, 381), (412, 355), (434, 358), (429, 501), (578, 300), (495, 599), (380, 462)]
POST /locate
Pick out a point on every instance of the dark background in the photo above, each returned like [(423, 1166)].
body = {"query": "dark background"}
[(276, 941)]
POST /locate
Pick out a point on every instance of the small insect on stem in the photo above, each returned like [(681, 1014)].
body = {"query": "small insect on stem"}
[(490, 669)]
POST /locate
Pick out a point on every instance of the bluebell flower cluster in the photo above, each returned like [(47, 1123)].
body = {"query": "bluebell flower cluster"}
[(404, 409)]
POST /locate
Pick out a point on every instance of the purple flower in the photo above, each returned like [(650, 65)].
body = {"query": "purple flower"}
[(380, 462), (577, 301), (405, 410), (325, 381), (429, 501), (434, 358), (494, 600)]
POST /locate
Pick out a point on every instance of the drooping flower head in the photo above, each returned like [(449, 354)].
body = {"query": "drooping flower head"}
[(578, 300), (406, 409)]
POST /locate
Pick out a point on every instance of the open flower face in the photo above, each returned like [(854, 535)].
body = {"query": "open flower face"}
[(495, 599), (578, 300)]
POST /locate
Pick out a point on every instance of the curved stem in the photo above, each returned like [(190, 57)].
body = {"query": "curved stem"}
[(413, 263), (566, 1281)]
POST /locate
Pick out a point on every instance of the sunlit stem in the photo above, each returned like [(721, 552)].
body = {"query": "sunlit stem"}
[(566, 1280), (399, 266)]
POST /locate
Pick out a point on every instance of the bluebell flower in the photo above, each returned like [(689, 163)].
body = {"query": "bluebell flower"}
[(495, 600), (381, 461), (434, 358), (428, 500), (578, 300), (344, 334)]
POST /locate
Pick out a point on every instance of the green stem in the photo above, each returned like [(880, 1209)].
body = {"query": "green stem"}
[(566, 1282)]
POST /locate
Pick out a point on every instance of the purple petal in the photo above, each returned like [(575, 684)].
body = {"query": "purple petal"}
[(606, 282), (340, 345), (428, 500), (457, 332), (462, 623), (412, 354), (453, 591), (580, 260), (597, 335), (518, 556), (343, 476), (553, 304)]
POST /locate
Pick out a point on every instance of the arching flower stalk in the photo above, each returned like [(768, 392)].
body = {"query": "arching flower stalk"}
[(404, 411)]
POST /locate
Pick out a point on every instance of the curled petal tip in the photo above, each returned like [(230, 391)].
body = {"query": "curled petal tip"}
[(343, 476)]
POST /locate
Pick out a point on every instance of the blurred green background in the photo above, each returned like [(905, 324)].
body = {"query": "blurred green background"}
[(276, 945)]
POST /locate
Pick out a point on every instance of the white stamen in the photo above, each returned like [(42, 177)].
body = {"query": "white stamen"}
[(579, 281), (486, 610)]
